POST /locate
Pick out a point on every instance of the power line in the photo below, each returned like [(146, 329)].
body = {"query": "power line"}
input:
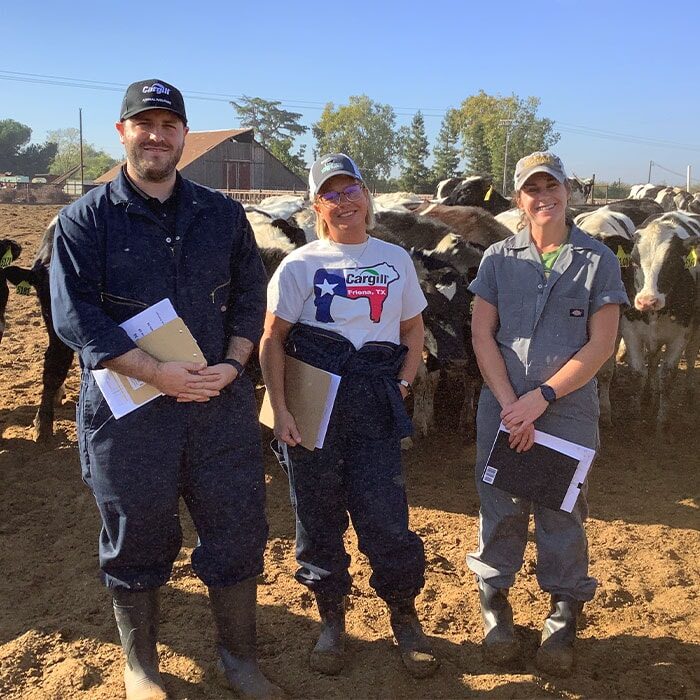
[(429, 112)]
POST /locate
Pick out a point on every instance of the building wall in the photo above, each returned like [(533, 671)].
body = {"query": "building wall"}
[(235, 165)]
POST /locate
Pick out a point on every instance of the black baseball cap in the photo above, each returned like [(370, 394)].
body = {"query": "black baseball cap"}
[(152, 94)]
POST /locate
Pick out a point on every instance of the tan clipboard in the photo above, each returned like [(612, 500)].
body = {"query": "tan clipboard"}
[(307, 391), (172, 342)]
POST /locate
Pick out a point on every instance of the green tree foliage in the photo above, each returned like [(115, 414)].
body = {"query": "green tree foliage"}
[(67, 143), (446, 152), (484, 133), (274, 128), (363, 129), (415, 176), (17, 155)]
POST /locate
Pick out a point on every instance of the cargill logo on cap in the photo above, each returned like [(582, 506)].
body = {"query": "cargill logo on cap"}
[(158, 88), (331, 165)]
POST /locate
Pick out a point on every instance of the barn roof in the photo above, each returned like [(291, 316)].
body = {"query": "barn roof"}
[(197, 143)]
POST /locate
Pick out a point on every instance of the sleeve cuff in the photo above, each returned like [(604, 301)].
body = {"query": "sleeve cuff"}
[(480, 289), (614, 297)]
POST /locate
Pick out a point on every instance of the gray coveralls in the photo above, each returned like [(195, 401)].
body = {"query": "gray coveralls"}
[(543, 323)]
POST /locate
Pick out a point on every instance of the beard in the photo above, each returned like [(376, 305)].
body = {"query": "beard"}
[(148, 170)]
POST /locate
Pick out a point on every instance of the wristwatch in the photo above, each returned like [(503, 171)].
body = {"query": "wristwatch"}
[(549, 394), (405, 384), (234, 363)]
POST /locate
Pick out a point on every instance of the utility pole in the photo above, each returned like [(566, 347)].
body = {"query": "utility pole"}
[(82, 183), (687, 180), (651, 162), (507, 124)]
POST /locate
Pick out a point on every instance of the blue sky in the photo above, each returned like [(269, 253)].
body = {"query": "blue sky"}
[(619, 79)]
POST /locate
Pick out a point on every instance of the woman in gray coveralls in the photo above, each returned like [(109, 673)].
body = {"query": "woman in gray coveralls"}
[(545, 319)]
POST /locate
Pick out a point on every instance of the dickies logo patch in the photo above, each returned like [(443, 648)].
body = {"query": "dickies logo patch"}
[(576, 313)]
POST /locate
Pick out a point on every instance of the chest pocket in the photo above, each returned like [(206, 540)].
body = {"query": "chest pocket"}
[(564, 321), (510, 311)]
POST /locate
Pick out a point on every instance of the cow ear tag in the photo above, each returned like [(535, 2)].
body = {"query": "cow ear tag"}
[(622, 257), (6, 259), (691, 260), (487, 196), (24, 288)]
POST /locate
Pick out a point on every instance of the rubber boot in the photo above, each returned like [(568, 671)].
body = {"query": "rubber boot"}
[(500, 645), (556, 653), (328, 656), (414, 647), (136, 613), (234, 609)]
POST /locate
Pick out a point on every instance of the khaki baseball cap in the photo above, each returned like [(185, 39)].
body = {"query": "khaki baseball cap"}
[(538, 162)]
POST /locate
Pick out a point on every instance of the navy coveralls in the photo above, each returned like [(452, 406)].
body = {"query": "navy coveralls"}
[(358, 471), (111, 259)]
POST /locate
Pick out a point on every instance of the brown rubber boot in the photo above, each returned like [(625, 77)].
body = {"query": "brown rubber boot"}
[(328, 656), (234, 609), (500, 645), (414, 647), (556, 653), (136, 613)]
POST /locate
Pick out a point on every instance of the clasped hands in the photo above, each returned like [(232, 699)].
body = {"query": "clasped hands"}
[(519, 417), (192, 381)]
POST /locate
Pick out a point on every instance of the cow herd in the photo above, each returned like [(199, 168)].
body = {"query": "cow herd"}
[(446, 237)]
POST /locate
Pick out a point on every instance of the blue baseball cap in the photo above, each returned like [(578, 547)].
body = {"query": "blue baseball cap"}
[(329, 166)]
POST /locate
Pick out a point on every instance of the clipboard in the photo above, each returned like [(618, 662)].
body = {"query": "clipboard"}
[(162, 334), (550, 473), (172, 342), (310, 395)]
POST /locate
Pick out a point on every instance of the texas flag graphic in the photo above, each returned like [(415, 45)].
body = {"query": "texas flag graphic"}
[(371, 283)]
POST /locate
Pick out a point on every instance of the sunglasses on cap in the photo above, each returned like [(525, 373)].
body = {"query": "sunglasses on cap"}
[(353, 193)]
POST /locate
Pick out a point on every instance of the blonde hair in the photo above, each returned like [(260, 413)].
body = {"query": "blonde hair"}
[(322, 227)]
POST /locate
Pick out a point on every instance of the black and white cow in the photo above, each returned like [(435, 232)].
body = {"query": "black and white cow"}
[(9, 252), (664, 313), (478, 191), (617, 232), (579, 188)]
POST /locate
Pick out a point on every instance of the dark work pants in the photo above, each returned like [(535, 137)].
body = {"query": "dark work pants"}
[(362, 477), (139, 466)]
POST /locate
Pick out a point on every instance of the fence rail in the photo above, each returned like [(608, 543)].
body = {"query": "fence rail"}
[(256, 196)]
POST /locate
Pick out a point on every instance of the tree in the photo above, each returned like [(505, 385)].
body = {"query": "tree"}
[(17, 155), (274, 128), (482, 124), (446, 151), (415, 176), (67, 143), (363, 129)]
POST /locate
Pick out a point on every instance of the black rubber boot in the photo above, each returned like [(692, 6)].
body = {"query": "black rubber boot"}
[(556, 653), (500, 645), (136, 613), (414, 647), (328, 656), (234, 610)]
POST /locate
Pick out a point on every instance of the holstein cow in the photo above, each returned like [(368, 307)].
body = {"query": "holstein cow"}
[(580, 189), (665, 312), (9, 252), (478, 191), (452, 262), (617, 231), (58, 357)]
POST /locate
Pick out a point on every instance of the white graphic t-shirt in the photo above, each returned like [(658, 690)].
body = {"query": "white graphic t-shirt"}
[(361, 291)]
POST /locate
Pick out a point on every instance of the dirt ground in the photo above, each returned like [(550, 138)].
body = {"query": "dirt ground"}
[(58, 639)]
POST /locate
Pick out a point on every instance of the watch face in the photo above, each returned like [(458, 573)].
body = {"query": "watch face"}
[(548, 393)]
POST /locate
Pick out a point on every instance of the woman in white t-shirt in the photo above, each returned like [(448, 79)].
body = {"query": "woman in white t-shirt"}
[(350, 304)]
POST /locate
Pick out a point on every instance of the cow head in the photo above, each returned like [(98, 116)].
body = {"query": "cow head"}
[(660, 257)]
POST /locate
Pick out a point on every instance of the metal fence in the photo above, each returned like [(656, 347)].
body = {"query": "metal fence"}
[(256, 196)]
